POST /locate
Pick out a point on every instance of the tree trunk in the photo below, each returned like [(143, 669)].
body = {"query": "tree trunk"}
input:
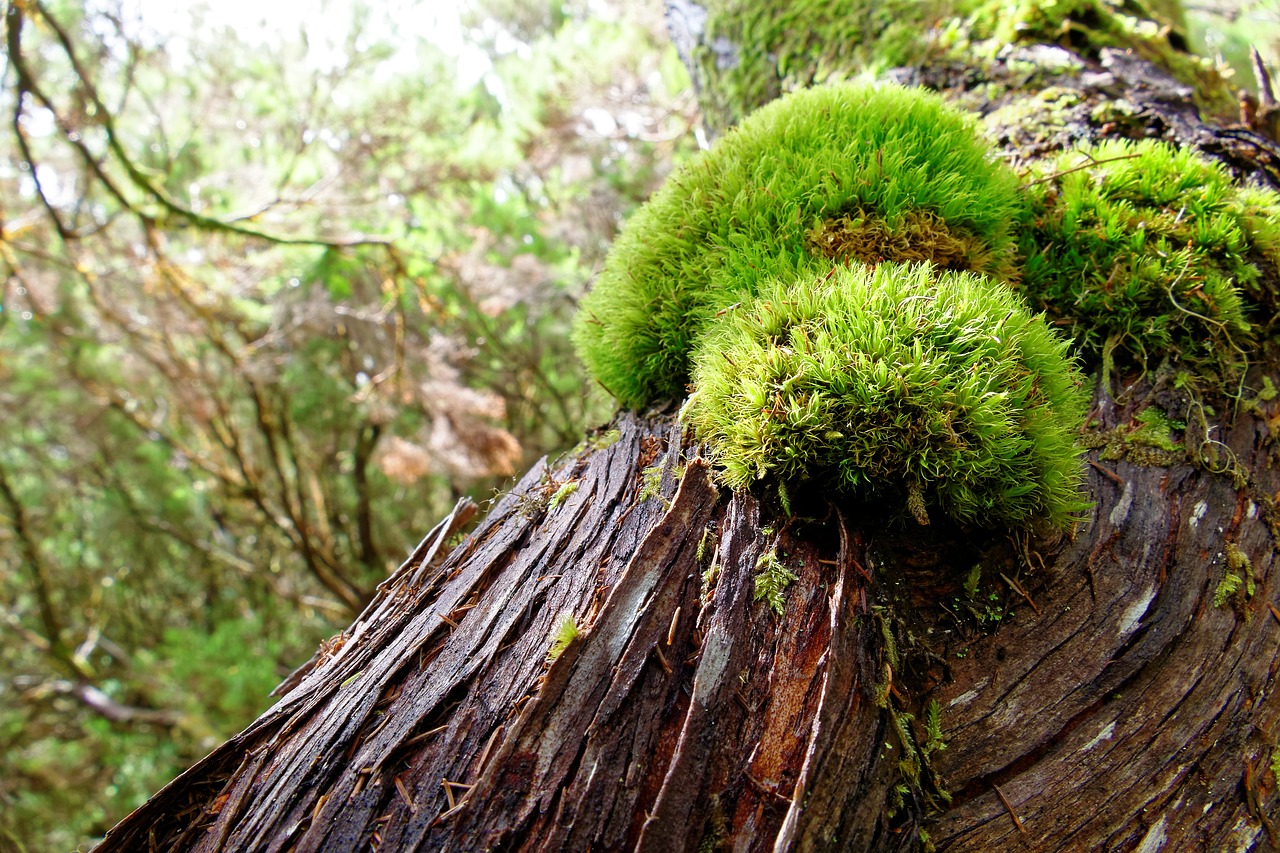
[(1088, 693)]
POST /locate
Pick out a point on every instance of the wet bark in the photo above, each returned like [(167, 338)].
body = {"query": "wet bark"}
[(1093, 696)]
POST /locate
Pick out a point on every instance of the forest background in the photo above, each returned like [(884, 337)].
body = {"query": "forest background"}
[(277, 291)]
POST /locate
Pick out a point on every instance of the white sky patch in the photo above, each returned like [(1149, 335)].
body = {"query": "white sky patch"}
[(325, 24)]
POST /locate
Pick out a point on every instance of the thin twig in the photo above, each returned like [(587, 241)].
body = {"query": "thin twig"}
[(1093, 161), (1017, 821)]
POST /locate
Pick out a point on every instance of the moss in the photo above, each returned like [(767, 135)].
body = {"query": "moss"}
[(1149, 441), (1049, 119), (650, 482), (754, 51), (1142, 251), (1238, 584), (1156, 430), (914, 235), (562, 494), (747, 210), (772, 580), (898, 382), (565, 632), (1087, 26)]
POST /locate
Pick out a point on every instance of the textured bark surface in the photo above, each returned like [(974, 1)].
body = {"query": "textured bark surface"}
[(1102, 702)]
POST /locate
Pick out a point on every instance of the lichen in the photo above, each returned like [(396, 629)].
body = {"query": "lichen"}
[(1088, 26)]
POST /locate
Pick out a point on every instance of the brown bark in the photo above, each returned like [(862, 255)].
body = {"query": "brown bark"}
[(1127, 709), (1111, 705)]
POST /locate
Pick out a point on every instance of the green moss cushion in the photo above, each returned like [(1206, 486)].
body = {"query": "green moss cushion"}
[(934, 388), (1151, 250), (825, 174)]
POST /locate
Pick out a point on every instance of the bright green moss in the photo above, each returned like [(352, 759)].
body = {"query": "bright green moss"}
[(566, 630), (750, 208), (754, 51), (1151, 251), (937, 389)]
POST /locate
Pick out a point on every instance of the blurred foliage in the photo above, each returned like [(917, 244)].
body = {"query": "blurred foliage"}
[(271, 304), (1226, 30)]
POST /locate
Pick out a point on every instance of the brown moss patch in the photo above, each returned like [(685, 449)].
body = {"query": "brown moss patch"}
[(912, 237)]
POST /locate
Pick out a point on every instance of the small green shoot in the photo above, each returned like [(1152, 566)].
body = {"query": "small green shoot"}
[(1238, 584), (1226, 590), (972, 580), (562, 494), (1156, 430), (772, 579), (564, 632), (933, 736), (650, 482), (605, 439)]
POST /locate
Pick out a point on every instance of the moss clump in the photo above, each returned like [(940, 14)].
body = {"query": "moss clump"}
[(748, 209), (936, 389), (1150, 250), (1153, 31), (752, 52)]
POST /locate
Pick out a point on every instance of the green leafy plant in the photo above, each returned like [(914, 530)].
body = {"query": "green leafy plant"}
[(936, 388), (831, 174), (772, 579), (1149, 250), (935, 740), (562, 494)]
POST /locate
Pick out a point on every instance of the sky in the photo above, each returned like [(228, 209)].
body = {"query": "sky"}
[(325, 23)]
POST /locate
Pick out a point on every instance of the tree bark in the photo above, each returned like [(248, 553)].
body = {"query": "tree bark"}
[(1092, 697)]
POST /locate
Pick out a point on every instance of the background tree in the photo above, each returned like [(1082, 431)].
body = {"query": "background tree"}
[(272, 303)]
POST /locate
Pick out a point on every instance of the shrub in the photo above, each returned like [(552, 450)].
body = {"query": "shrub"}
[(826, 173), (934, 388)]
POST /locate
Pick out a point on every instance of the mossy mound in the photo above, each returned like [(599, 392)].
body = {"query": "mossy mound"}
[(1150, 250), (752, 52), (939, 389), (761, 202)]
